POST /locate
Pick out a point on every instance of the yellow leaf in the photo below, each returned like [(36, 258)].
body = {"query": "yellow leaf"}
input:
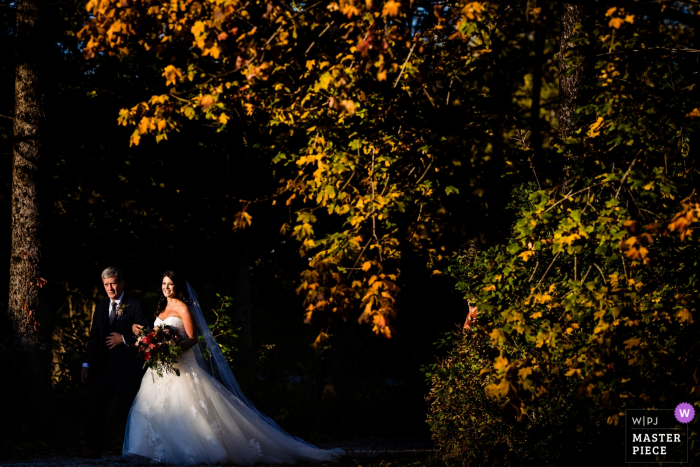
[(135, 138), (632, 342), (198, 28), (489, 288), (171, 74), (366, 265), (348, 105), (241, 220), (213, 52), (391, 8), (144, 125), (223, 118), (616, 22), (525, 255), (685, 316), (629, 19), (472, 10), (500, 364), (695, 113), (381, 76), (310, 64), (611, 11), (497, 336), (536, 315), (613, 420), (320, 339), (206, 101), (593, 130)]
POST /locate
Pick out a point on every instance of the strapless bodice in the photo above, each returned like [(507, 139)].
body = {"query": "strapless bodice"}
[(175, 322)]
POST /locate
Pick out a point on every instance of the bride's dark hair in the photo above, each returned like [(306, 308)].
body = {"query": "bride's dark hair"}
[(179, 291)]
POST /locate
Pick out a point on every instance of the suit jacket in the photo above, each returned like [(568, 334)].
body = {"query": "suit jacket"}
[(120, 363)]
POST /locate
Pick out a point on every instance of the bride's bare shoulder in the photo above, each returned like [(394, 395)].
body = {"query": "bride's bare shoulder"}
[(182, 309)]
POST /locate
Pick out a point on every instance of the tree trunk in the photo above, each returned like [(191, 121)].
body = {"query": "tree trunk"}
[(28, 312), (571, 82), (535, 121)]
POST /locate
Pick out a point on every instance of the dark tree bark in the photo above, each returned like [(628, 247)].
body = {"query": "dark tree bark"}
[(535, 121), (571, 82), (29, 310)]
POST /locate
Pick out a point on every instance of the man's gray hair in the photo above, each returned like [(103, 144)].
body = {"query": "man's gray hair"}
[(113, 272)]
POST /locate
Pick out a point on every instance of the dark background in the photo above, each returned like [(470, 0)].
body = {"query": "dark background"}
[(156, 207)]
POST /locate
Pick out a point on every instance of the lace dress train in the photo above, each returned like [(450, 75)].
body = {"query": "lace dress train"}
[(192, 419)]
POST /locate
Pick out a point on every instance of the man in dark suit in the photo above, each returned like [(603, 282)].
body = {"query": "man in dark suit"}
[(111, 362)]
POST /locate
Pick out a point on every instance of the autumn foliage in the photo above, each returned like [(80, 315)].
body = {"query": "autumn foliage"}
[(591, 306), (347, 93)]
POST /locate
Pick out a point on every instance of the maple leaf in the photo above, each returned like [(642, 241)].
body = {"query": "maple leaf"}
[(695, 113), (525, 255), (241, 220), (616, 22), (348, 8), (391, 8), (349, 106), (172, 74), (473, 10), (206, 101), (685, 316), (594, 129), (632, 342), (320, 339), (213, 52), (198, 28), (135, 138)]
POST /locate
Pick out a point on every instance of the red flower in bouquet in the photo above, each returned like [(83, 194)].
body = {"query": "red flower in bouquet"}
[(160, 348)]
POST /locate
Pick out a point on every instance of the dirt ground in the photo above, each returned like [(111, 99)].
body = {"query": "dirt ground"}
[(366, 452)]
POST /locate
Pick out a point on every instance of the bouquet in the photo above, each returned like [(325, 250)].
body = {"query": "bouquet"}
[(160, 348)]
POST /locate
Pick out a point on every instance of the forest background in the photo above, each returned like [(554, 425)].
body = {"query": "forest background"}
[(332, 170)]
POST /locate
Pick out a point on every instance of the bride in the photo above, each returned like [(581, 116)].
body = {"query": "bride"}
[(192, 418)]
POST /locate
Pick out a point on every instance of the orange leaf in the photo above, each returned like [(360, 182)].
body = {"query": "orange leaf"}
[(206, 101), (391, 8), (616, 23)]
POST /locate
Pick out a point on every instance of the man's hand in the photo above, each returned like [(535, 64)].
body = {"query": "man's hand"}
[(83, 374), (114, 340), (135, 328)]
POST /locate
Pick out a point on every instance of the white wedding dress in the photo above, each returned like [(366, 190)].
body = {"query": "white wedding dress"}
[(192, 419)]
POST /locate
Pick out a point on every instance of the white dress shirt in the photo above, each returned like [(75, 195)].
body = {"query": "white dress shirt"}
[(118, 302)]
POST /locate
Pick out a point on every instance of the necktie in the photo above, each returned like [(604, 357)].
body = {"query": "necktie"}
[(112, 312)]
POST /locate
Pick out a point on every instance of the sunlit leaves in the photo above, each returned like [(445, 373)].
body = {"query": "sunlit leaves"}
[(594, 129), (172, 75), (391, 8), (325, 73), (618, 17), (241, 220)]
